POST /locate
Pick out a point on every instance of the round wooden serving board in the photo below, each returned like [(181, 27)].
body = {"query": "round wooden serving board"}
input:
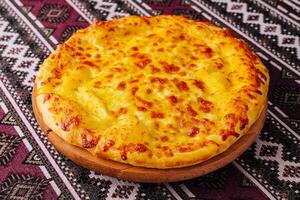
[(148, 175)]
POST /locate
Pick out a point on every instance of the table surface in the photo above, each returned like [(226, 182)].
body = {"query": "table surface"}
[(31, 168)]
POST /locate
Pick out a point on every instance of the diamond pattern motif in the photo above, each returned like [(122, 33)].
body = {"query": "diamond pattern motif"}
[(118, 188), (54, 13), (270, 151), (23, 186), (291, 171), (267, 150)]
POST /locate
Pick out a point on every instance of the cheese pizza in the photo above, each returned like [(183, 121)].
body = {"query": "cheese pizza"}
[(157, 92)]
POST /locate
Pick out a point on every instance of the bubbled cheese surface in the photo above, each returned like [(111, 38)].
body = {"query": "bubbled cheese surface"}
[(157, 92)]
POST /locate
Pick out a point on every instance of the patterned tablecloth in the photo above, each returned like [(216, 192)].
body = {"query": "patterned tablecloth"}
[(30, 168)]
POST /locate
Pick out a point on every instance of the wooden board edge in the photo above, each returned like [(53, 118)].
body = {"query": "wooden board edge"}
[(149, 175)]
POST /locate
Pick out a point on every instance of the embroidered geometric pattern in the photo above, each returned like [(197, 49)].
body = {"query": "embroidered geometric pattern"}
[(274, 160), (68, 31), (269, 151), (33, 159), (117, 188), (54, 13), (23, 186), (17, 55), (8, 119), (259, 28), (107, 6), (272, 163), (8, 147), (284, 40)]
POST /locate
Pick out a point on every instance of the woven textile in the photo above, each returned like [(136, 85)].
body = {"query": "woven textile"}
[(30, 168)]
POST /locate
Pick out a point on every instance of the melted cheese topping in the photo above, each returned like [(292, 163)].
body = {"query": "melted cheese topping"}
[(157, 92)]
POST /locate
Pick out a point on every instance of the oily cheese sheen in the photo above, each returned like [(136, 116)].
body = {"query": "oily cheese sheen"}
[(158, 92)]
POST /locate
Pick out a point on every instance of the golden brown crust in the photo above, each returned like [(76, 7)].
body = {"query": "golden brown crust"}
[(157, 92)]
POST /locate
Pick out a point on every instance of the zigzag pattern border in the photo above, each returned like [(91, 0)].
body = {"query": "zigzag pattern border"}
[(281, 12), (201, 7), (265, 28), (32, 129), (25, 65)]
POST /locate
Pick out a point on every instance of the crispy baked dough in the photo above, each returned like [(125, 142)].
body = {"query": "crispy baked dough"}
[(160, 92)]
